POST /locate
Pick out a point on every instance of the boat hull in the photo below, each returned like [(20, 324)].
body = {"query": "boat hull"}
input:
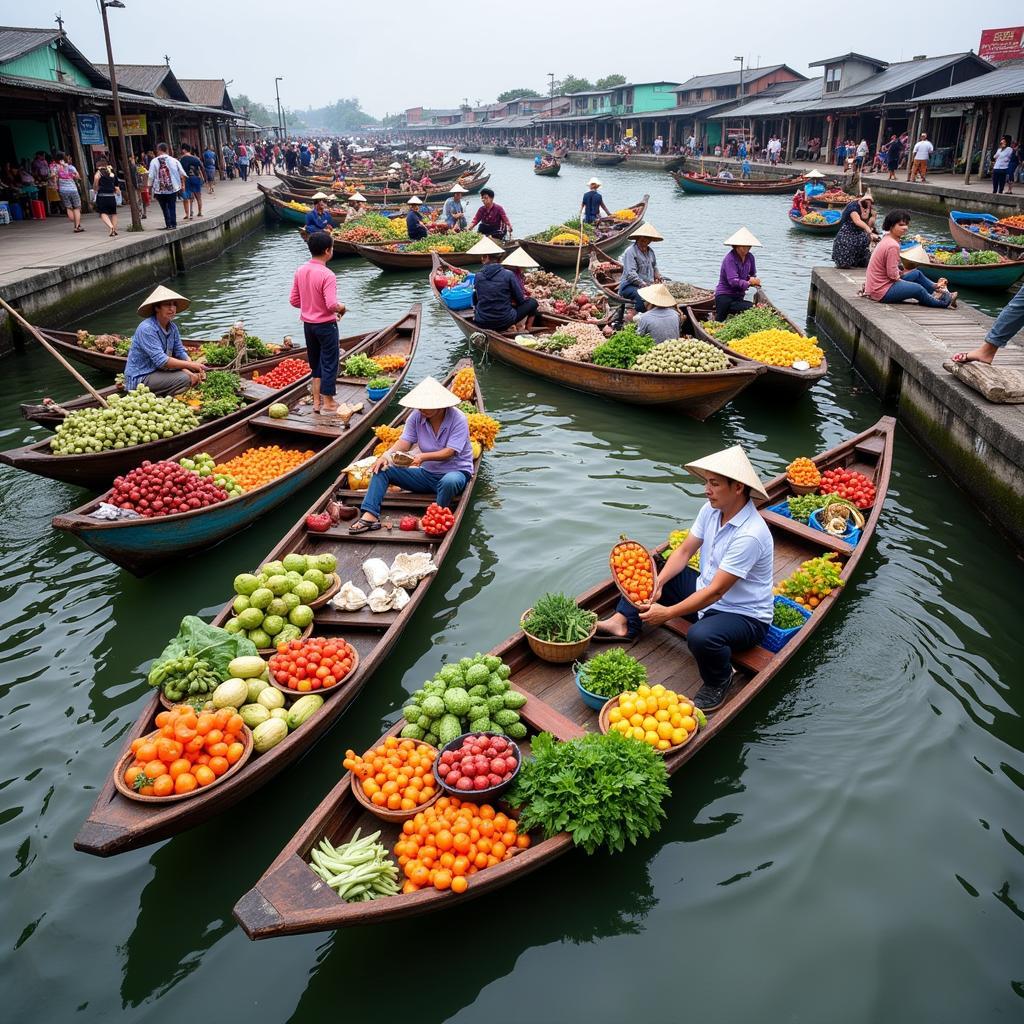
[(550, 171), (1000, 276), (548, 255), (830, 228), (968, 239), (740, 187)]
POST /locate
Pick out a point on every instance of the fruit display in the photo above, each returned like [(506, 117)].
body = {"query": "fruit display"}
[(1015, 221), (750, 321), (196, 661), (206, 466), (288, 371), (803, 472), (802, 505), (480, 762), (814, 218), (371, 227), (778, 348), (587, 339), (360, 365), (625, 215), (962, 258), (688, 293), (786, 617), (472, 695), (459, 241), (437, 849), (358, 871), (611, 673), (387, 437), (848, 483), (659, 717), (396, 775), (622, 349), (317, 663), (568, 238), (568, 231), (815, 579), (258, 466), (164, 489), (390, 364), (633, 571), (834, 196), (318, 522), (680, 355), (108, 344), (187, 676), (137, 417), (464, 383), (675, 538), (483, 429), (437, 521)]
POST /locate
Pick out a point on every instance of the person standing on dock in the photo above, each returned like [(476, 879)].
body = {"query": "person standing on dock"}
[(738, 273), (893, 153), (157, 357), (1009, 322), (593, 202), (166, 180), (193, 168), (210, 166), (1001, 165), (923, 150), (640, 266)]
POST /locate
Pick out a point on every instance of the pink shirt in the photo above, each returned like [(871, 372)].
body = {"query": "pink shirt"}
[(883, 268), (315, 293)]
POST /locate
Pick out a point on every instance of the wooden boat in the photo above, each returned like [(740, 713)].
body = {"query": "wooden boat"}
[(389, 256), (142, 545), (829, 226), (982, 275), (469, 147), (500, 150), (698, 395), (341, 249), (694, 183), (777, 380), (983, 231), (831, 200), (116, 824), (306, 188), (607, 159), (606, 273), (616, 234), (289, 899), (278, 203), (314, 182), (547, 170)]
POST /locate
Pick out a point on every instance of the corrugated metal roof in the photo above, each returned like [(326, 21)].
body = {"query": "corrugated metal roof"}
[(16, 42), (209, 92), (896, 76), (727, 78), (148, 78), (1001, 82), (849, 56)]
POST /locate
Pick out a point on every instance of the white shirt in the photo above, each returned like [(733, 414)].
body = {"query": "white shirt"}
[(1002, 159), (862, 149), (923, 150), (176, 171), (743, 547)]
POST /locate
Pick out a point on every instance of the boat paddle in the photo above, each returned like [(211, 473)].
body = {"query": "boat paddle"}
[(579, 250)]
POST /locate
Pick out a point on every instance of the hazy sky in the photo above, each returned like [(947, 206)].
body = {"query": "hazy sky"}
[(489, 47)]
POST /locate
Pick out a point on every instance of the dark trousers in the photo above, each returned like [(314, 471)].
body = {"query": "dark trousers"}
[(323, 354), (243, 171), (711, 639), (998, 180), (169, 205), (520, 312), (631, 292), (725, 305)]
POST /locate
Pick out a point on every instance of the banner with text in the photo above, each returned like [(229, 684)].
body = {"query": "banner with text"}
[(1002, 44), (135, 124)]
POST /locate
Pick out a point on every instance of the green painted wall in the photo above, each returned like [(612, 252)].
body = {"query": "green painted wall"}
[(41, 63), (652, 97), (29, 137)]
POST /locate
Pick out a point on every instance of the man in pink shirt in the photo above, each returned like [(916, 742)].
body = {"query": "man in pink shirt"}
[(886, 281), (315, 295)]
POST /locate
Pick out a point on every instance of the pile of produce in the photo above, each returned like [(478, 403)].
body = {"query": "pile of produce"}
[(675, 538), (437, 520), (437, 847), (379, 384), (454, 276), (361, 365), (464, 383), (803, 472), (541, 283), (957, 258), (396, 775), (834, 196), (786, 617), (587, 339), (603, 789), (570, 230), (814, 218), (314, 664), (1016, 221), (197, 660), (612, 673), (631, 567), (558, 619), (681, 355), (802, 505), (473, 695), (815, 579), (137, 417), (460, 241), (622, 349), (625, 215), (467, 407), (215, 354), (387, 437), (750, 321), (216, 395), (483, 429), (848, 483), (271, 722), (258, 466), (778, 348), (358, 871), (288, 371), (688, 293), (654, 715), (390, 364), (480, 762), (568, 238), (371, 227), (164, 488), (108, 344)]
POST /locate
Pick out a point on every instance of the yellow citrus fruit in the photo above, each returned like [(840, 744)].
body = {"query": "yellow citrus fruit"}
[(679, 735), (663, 744), (636, 719), (615, 715), (627, 708), (662, 715), (689, 723), (638, 733), (652, 738)]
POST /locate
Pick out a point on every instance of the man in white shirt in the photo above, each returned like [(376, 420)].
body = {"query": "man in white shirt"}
[(730, 604), (166, 180), (923, 150), (691, 144)]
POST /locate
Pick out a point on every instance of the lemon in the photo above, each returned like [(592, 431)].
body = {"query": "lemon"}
[(662, 715), (615, 715), (679, 736), (689, 723), (643, 691), (652, 738), (663, 744), (636, 719), (650, 723), (638, 733), (664, 731)]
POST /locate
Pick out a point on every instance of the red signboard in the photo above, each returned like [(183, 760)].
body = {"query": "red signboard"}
[(1002, 44)]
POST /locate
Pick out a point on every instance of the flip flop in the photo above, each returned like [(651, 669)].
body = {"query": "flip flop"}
[(610, 638), (363, 526)]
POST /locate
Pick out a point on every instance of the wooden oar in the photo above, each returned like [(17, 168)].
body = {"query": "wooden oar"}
[(37, 334), (579, 250)]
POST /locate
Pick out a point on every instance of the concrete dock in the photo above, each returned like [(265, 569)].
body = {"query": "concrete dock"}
[(900, 350)]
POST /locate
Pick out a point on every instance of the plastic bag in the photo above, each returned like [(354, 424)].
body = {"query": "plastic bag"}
[(379, 600), (349, 598), (104, 510), (409, 568), (376, 572)]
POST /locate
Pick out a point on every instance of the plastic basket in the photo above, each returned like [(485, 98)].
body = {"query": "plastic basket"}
[(851, 535), (775, 639), (376, 394), (782, 509), (457, 297)]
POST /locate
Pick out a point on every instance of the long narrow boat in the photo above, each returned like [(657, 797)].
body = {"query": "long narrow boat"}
[(116, 824), (999, 275), (470, 147), (279, 205), (777, 380), (607, 159), (606, 273), (697, 185), (390, 256), (547, 170), (303, 186), (289, 898), (500, 150), (698, 395), (829, 225), (612, 235), (141, 545), (983, 231)]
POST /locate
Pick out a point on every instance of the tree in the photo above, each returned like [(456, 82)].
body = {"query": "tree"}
[(573, 84), (610, 81), (518, 94), (343, 115), (257, 112)]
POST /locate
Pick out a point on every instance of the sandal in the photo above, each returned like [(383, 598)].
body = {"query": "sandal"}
[(78, 231), (364, 526)]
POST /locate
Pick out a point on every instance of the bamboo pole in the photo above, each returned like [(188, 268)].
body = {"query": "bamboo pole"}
[(579, 251), (37, 334)]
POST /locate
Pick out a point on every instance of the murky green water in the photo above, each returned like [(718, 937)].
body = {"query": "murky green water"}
[(850, 849)]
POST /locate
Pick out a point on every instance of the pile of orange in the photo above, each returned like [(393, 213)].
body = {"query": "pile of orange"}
[(389, 364), (803, 473), (396, 775), (187, 752), (453, 839), (258, 466), (631, 567), (464, 383)]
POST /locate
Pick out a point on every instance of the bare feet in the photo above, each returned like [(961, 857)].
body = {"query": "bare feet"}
[(952, 300), (984, 353), (614, 625)]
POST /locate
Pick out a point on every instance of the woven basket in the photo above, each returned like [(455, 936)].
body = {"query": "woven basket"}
[(383, 812), (323, 692), (802, 488), (605, 726), (328, 593), (555, 653), (624, 540)]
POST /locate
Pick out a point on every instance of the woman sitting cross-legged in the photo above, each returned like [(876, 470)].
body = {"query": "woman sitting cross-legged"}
[(442, 463), (887, 281)]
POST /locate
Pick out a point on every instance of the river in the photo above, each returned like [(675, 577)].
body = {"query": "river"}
[(851, 849)]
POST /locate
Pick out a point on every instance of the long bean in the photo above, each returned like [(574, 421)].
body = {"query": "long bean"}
[(358, 870)]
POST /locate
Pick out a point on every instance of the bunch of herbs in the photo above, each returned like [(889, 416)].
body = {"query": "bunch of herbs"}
[(558, 619)]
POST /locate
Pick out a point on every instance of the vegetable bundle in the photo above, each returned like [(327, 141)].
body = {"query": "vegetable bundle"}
[(558, 619), (750, 321), (358, 871)]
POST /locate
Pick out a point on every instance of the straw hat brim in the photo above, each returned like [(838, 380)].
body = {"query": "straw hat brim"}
[(430, 394), (486, 247), (163, 294), (743, 237), (731, 463), (594, 181), (519, 257), (414, 201), (460, 189), (357, 197), (657, 295), (814, 174), (648, 231), (319, 195)]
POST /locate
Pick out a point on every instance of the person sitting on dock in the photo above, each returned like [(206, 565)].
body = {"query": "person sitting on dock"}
[(453, 213), (730, 602), (443, 461), (318, 219), (491, 219), (1009, 322), (661, 320), (640, 265), (414, 226), (737, 274), (157, 358), (593, 203), (887, 281), (498, 298)]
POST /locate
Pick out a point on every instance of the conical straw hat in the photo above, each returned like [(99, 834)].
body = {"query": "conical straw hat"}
[(814, 174), (731, 463), (414, 201), (742, 237), (486, 247), (357, 197), (519, 257), (430, 394), (319, 195), (163, 294), (459, 189), (657, 295), (647, 231)]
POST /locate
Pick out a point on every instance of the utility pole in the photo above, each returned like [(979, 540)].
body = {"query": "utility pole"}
[(277, 92)]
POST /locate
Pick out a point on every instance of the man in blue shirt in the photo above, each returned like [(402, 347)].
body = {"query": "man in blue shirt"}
[(414, 226), (318, 219), (498, 297), (157, 358), (453, 213), (593, 202), (730, 603), (305, 159)]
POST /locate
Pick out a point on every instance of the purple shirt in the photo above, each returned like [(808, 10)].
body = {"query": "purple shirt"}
[(454, 433), (734, 277)]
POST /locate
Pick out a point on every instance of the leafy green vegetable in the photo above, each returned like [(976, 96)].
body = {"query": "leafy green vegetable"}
[(558, 619), (611, 673), (786, 617), (216, 646), (218, 355), (622, 348), (750, 321), (603, 789), (379, 382), (802, 505), (255, 347), (361, 365)]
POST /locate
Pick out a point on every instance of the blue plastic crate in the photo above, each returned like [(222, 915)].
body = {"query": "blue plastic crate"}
[(851, 536), (776, 638), (782, 509), (457, 297)]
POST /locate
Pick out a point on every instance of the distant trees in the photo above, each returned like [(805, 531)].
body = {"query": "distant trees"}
[(343, 115), (518, 94), (610, 81), (573, 84)]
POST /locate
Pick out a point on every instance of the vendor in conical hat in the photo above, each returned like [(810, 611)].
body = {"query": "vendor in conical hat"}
[(499, 302), (157, 358), (453, 213), (437, 436), (640, 265), (517, 261), (318, 219), (661, 320), (738, 273), (356, 206), (729, 602), (414, 226)]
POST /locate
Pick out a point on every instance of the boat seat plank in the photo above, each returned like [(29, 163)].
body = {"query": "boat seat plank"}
[(383, 536), (816, 538)]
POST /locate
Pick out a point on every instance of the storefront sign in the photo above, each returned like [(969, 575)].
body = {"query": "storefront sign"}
[(1002, 44), (950, 109), (629, 133), (134, 124), (90, 129)]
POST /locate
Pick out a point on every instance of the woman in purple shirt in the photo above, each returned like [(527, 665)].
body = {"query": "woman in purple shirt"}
[(442, 463), (738, 273)]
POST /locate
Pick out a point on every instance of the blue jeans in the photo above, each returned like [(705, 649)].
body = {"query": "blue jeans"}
[(417, 480), (712, 638), (169, 205), (1009, 321), (914, 285), (632, 292), (323, 354)]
